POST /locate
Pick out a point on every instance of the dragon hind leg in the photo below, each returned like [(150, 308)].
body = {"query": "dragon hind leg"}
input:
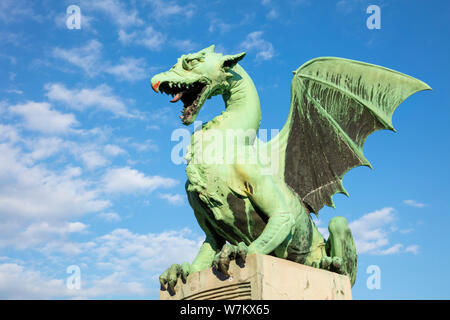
[(341, 248)]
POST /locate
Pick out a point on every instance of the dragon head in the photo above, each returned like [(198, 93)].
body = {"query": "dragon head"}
[(196, 77)]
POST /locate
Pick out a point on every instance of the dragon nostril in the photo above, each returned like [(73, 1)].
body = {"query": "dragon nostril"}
[(156, 86)]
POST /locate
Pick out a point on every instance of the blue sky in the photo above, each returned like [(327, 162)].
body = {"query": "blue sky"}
[(86, 176)]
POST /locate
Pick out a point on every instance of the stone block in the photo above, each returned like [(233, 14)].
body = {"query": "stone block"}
[(263, 277)]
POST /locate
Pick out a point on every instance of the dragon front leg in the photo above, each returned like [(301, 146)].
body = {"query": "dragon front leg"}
[(272, 200), (275, 233), (203, 260)]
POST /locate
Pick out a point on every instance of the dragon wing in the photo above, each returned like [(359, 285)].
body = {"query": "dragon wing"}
[(335, 105)]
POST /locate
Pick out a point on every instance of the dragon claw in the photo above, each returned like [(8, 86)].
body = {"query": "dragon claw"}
[(229, 252), (333, 264), (325, 263), (169, 278), (337, 265)]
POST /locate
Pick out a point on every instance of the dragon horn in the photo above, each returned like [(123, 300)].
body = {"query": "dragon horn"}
[(209, 49), (229, 61)]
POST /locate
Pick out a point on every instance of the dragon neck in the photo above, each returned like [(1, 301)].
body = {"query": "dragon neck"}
[(242, 108)]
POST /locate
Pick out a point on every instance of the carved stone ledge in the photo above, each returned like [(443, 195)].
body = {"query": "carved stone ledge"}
[(263, 278)]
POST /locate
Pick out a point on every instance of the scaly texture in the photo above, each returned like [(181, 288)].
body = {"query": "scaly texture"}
[(336, 105), (254, 197)]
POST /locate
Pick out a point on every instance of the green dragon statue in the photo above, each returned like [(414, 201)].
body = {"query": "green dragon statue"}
[(241, 206)]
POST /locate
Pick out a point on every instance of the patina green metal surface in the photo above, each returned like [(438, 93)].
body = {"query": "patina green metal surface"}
[(254, 197)]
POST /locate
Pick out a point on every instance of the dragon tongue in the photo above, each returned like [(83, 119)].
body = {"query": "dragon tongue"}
[(177, 97)]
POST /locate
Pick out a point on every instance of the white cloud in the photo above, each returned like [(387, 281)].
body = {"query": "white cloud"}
[(414, 203), (368, 231), (130, 69), (371, 233), (175, 199), (413, 249), (345, 6), (38, 204), (254, 41), (113, 150), (40, 116), (126, 38), (273, 11), (131, 261), (272, 14), (64, 246), (100, 97), (219, 26), (90, 59), (44, 147), (9, 133), (92, 154), (16, 39), (3, 106), (186, 45), (15, 91), (127, 180), (15, 10), (18, 282), (113, 285), (406, 231), (169, 8), (42, 232), (116, 10), (123, 250), (152, 127), (109, 216), (149, 38), (145, 146), (32, 191), (92, 159), (86, 57), (162, 115), (397, 248)]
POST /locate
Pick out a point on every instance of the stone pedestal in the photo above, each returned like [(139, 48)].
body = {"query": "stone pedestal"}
[(263, 278)]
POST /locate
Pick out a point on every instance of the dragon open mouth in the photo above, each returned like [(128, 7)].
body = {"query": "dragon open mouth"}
[(191, 94)]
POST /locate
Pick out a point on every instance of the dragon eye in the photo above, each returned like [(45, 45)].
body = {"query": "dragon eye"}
[(190, 63)]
